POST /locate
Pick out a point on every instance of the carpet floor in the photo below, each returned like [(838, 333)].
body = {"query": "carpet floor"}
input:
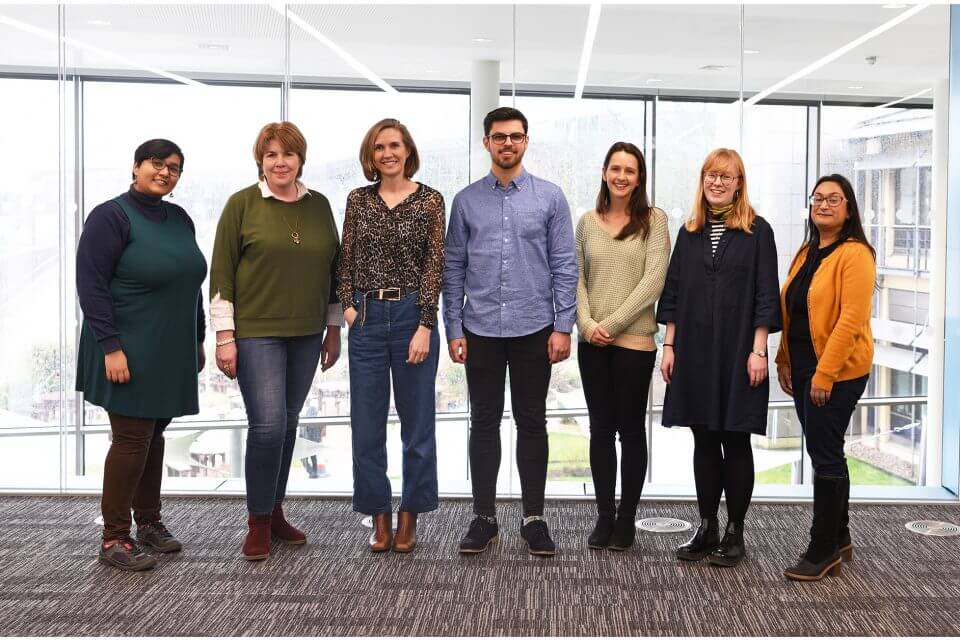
[(899, 583)]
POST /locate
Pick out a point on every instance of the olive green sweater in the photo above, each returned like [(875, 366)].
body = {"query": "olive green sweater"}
[(277, 287)]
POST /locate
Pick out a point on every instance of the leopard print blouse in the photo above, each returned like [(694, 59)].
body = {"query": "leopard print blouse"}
[(399, 247)]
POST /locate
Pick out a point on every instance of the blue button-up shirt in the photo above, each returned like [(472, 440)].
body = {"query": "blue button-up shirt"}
[(510, 259)]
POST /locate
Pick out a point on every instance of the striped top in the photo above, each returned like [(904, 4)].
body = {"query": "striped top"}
[(716, 231), (621, 280)]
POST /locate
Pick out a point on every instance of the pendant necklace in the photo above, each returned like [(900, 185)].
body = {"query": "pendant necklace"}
[(294, 233)]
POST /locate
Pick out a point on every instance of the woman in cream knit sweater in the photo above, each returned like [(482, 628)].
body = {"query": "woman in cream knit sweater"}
[(623, 248)]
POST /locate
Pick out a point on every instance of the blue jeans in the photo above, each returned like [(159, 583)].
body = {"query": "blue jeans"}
[(378, 344), (275, 375)]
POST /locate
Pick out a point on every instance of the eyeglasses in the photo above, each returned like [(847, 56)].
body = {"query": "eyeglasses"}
[(158, 165), (516, 138), (725, 179), (833, 200)]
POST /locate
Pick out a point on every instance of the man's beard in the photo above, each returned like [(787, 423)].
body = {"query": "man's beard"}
[(510, 164)]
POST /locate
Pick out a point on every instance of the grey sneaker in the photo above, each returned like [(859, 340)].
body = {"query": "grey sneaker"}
[(125, 554), (157, 536)]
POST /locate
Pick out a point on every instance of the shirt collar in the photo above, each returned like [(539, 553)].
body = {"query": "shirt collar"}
[(520, 182), (266, 193)]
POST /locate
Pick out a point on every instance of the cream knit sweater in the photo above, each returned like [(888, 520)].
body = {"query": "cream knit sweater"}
[(621, 280)]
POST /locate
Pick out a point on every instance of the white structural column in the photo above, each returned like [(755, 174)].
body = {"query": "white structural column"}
[(484, 97), (933, 433)]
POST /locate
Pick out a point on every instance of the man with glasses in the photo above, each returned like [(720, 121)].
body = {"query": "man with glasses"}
[(509, 301)]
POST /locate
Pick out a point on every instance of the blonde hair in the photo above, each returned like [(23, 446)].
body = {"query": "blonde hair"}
[(742, 215), (412, 164), (289, 137)]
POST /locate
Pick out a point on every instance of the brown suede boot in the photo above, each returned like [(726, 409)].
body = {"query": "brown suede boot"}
[(281, 528), (406, 537), (382, 536), (256, 546)]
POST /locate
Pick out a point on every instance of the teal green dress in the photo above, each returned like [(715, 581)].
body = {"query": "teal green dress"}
[(154, 291)]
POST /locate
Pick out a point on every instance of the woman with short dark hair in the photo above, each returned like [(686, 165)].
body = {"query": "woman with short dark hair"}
[(390, 275), (139, 273), (273, 306), (825, 357)]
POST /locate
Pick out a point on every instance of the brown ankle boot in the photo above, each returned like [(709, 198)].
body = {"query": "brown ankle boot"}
[(382, 536), (256, 546), (281, 528), (406, 538)]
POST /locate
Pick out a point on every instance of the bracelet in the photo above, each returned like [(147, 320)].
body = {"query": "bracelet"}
[(760, 354), (670, 345), (226, 342)]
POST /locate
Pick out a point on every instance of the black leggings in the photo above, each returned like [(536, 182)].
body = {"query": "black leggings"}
[(722, 461)]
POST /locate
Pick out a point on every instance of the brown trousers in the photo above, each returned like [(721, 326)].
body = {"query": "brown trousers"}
[(132, 474)]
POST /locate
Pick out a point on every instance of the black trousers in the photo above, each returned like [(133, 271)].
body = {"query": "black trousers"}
[(487, 362), (722, 463), (824, 427), (616, 382)]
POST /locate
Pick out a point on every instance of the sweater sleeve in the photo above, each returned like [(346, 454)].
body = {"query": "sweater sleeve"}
[(227, 249), (651, 283), (585, 322), (858, 277), (431, 275), (104, 237)]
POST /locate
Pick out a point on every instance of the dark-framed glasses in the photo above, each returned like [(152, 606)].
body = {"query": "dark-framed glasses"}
[(833, 200), (516, 138), (158, 165), (725, 179)]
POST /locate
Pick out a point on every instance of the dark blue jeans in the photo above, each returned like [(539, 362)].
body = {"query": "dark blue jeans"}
[(275, 375), (378, 344)]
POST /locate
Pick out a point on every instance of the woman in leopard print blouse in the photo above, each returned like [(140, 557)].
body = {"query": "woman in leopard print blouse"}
[(389, 282)]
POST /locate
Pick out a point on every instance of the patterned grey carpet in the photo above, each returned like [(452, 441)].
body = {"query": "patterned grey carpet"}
[(50, 583)]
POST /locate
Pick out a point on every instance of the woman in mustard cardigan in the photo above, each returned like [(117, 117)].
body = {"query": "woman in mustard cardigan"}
[(825, 357)]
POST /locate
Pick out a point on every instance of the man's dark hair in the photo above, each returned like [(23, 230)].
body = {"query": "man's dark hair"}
[(156, 148), (501, 114)]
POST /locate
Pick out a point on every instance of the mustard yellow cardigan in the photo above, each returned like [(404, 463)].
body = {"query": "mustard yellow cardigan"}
[(838, 304)]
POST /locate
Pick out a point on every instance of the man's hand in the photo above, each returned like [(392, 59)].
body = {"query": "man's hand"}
[(458, 350), (558, 347)]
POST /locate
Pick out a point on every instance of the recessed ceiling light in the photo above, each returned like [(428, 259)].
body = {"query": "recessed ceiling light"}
[(715, 67), (894, 5), (480, 40), (213, 46), (751, 51), (654, 80), (99, 23), (855, 87)]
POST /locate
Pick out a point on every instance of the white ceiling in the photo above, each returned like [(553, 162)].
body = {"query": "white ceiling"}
[(433, 43)]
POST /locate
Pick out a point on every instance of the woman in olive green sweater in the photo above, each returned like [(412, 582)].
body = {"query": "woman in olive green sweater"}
[(275, 310), (623, 248)]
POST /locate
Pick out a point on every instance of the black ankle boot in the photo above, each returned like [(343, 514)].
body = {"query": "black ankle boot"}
[(703, 542), (823, 553), (732, 549), (844, 542), (624, 532), (600, 537)]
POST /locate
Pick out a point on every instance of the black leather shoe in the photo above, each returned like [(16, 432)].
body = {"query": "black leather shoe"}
[(624, 532), (703, 542), (478, 538), (731, 550), (806, 570), (537, 535), (600, 537)]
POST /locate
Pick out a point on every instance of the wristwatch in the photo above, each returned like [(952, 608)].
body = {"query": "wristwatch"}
[(762, 354)]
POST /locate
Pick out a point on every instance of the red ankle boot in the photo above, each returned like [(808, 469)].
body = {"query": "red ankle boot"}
[(281, 528), (256, 546)]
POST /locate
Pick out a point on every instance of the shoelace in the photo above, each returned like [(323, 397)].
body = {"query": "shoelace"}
[(161, 528)]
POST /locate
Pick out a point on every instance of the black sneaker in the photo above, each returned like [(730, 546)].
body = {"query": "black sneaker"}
[(600, 537), (537, 536), (157, 536), (125, 554), (478, 538)]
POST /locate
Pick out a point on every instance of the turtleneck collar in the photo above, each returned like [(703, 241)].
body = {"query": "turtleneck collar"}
[(721, 213)]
